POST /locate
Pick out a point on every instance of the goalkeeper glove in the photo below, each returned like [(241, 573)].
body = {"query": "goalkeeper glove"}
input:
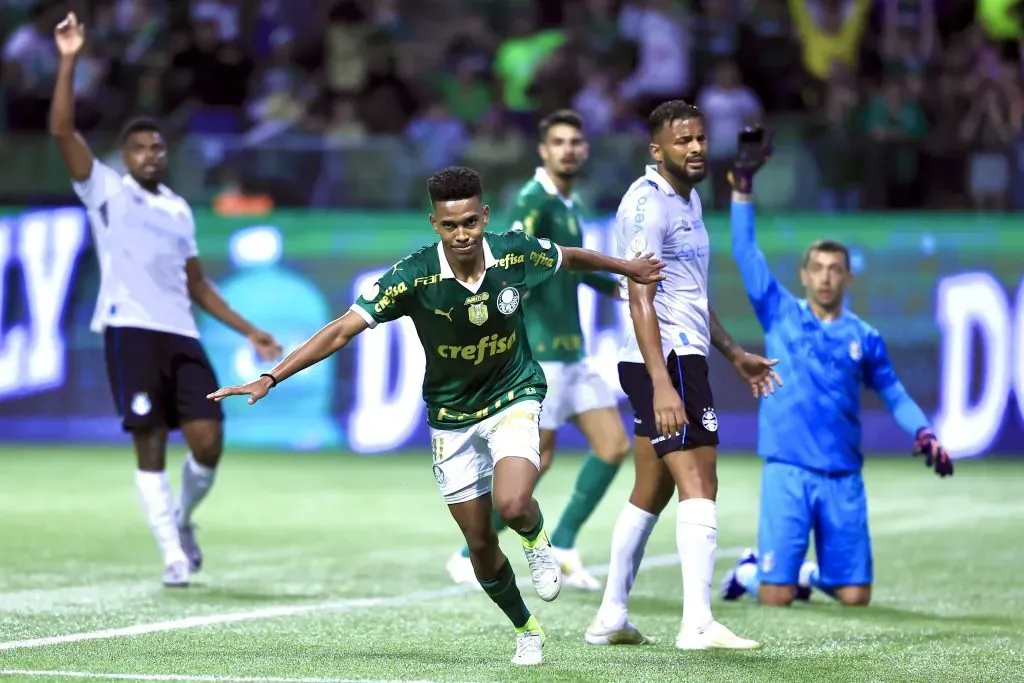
[(750, 157), (934, 454)]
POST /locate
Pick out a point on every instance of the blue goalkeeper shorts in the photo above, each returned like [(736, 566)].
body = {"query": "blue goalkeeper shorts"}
[(795, 502)]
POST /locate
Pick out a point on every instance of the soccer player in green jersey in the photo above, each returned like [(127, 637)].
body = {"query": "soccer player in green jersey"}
[(482, 387), (547, 207)]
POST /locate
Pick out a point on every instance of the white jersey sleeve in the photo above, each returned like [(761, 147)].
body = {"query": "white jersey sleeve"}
[(102, 184)]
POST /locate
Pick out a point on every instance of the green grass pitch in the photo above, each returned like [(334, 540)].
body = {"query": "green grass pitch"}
[(330, 567)]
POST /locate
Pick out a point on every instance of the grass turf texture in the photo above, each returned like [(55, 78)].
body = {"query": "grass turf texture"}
[(311, 540)]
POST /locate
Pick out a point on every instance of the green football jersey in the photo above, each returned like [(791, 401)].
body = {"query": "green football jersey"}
[(553, 309), (478, 360)]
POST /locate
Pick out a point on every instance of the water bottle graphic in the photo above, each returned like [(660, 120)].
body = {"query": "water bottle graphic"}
[(296, 414)]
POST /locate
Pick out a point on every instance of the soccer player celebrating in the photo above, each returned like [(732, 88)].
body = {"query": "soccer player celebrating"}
[(149, 270), (547, 207), (663, 370), (482, 388), (810, 437)]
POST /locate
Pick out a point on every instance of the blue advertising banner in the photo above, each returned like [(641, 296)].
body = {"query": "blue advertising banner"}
[(946, 293)]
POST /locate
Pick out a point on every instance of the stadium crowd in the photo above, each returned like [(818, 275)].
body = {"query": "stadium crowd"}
[(895, 103)]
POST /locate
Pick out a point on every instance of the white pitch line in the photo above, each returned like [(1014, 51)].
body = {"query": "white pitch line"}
[(192, 678), (344, 605)]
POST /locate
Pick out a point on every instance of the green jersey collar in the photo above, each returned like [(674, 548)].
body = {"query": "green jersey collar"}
[(446, 270), (545, 181)]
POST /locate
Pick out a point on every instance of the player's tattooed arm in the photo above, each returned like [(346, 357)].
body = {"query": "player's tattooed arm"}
[(70, 38), (721, 339), (753, 369)]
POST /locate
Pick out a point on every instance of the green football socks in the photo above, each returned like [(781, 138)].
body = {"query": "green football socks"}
[(592, 482), (505, 594)]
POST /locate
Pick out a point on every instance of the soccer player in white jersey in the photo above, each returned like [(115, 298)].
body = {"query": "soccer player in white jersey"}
[(663, 370), (149, 274)]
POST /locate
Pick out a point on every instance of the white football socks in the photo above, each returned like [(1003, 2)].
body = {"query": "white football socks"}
[(629, 538), (697, 542), (196, 482), (158, 504)]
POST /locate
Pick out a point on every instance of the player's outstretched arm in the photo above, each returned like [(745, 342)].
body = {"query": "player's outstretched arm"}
[(669, 415), (331, 338), (207, 297), (755, 370), (70, 38), (881, 377), (644, 269)]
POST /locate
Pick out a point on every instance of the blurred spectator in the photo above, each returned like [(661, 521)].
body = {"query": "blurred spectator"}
[(346, 41), (595, 101), (516, 63), (29, 68), (466, 94), (664, 69), (838, 147), (728, 106), (226, 14), (496, 148), (719, 35), (829, 30), (896, 125), (345, 128), (991, 129), (437, 137), (772, 62), (212, 76), (386, 101), (909, 35)]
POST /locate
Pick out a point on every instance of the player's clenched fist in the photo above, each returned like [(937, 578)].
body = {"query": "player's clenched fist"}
[(669, 415), (69, 36)]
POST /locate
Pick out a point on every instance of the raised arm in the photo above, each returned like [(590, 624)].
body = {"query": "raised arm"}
[(330, 339), (763, 290), (70, 38)]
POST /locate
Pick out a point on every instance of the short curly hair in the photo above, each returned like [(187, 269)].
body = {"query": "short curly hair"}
[(667, 112), (142, 124), (454, 183)]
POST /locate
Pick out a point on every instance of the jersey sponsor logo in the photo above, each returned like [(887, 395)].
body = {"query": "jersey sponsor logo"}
[(444, 314), (855, 351), (683, 339), (709, 420), (508, 300), (427, 280), (509, 260), (638, 245), (687, 252), (389, 296), (538, 259), (639, 214), (486, 347), (141, 404)]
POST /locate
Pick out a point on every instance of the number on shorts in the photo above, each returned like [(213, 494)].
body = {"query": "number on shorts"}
[(437, 447)]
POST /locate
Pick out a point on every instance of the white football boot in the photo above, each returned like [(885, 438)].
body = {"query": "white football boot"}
[(714, 636)]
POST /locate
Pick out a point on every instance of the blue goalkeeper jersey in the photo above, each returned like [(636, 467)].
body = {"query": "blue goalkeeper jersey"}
[(813, 421)]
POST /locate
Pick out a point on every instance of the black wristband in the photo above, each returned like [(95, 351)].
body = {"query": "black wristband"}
[(272, 379)]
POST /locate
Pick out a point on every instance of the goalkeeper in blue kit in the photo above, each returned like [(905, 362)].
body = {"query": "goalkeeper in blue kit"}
[(809, 435)]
